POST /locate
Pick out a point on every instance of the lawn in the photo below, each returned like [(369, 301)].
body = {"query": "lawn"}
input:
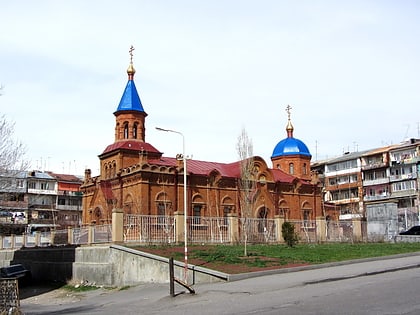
[(230, 258)]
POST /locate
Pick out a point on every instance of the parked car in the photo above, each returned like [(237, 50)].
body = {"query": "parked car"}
[(415, 230)]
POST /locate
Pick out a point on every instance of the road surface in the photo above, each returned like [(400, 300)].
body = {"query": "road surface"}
[(388, 286)]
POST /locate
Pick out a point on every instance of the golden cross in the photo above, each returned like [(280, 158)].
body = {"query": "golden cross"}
[(288, 108), (131, 53)]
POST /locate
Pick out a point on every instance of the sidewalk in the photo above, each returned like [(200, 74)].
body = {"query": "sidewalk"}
[(155, 298)]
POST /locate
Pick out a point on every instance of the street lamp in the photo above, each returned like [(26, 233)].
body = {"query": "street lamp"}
[(184, 160)]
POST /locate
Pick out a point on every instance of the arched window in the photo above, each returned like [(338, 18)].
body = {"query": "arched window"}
[(304, 169), (291, 168), (135, 130), (125, 130)]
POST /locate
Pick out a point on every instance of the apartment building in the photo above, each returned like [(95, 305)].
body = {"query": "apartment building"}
[(378, 184), (39, 200)]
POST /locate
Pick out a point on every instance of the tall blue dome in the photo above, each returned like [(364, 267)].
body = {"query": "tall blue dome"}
[(290, 145)]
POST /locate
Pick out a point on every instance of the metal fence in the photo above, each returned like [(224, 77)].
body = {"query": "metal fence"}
[(216, 230), (258, 230), (149, 229), (208, 230)]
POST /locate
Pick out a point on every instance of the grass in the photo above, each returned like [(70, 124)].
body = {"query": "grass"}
[(264, 255)]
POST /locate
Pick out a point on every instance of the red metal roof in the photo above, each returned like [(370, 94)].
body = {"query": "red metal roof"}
[(225, 169), (131, 145)]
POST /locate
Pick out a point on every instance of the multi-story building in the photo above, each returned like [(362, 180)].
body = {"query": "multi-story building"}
[(343, 184), (69, 200), (404, 170), (384, 181), (39, 200)]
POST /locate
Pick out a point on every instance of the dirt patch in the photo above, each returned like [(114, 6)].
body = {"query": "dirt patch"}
[(242, 265)]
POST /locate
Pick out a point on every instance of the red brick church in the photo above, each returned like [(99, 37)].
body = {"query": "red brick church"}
[(137, 178)]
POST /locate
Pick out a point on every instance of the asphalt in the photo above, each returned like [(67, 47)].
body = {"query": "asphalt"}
[(147, 296)]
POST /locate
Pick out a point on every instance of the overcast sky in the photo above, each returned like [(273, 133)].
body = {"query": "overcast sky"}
[(349, 69)]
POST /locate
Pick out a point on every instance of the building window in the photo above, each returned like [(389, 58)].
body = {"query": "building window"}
[(291, 168), (126, 131), (304, 169), (306, 218), (226, 211), (197, 214), (135, 131)]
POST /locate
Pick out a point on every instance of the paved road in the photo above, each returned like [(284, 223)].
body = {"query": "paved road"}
[(388, 286)]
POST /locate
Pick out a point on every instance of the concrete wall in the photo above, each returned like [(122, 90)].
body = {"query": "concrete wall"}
[(107, 265), (114, 265)]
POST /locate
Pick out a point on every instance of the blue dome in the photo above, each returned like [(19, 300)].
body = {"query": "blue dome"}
[(290, 146)]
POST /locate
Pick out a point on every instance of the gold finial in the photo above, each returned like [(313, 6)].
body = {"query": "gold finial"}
[(131, 71), (289, 127)]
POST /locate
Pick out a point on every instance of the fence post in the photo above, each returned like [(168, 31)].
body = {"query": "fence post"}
[(91, 231), (233, 228), (179, 227), (12, 241), (52, 237), (70, 236), (357, 229), (37, 238), (321, 229), (279, 220), (24, 240), (117, 225)]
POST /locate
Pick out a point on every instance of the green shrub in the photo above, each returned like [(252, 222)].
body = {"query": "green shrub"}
[(289, 234)]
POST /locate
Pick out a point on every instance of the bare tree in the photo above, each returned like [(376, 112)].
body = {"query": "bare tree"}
[(247, 183), (12, 152)]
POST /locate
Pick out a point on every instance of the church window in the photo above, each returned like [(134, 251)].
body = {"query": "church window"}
[(226, 211), (304, 169), (291, 168), (125, 130), (135, 131), (196, 214)]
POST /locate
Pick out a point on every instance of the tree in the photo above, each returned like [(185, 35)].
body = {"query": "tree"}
[(247, 183), (289, 234), (12, 152)]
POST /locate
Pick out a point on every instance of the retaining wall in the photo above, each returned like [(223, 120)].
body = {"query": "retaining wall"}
[(107, 265)]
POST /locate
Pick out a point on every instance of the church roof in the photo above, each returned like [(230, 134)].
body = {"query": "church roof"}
[(290, 146), (131, 145), (130, 99), (231, 170)]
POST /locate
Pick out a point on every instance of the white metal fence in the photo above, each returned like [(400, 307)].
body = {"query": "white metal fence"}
[(208, 230), (149, 229), (217, 230)]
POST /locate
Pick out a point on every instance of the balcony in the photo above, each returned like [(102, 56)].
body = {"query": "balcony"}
[(374, 165), (395, 178), (404, 193), (377, 197), (379, 181), (68, 208)]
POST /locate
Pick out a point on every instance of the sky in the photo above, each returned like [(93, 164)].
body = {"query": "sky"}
[(350, 70)]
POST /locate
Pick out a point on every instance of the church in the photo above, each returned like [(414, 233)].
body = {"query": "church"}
[(136, 178)]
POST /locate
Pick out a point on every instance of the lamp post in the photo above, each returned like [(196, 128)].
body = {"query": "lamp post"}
[(184, 160)]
